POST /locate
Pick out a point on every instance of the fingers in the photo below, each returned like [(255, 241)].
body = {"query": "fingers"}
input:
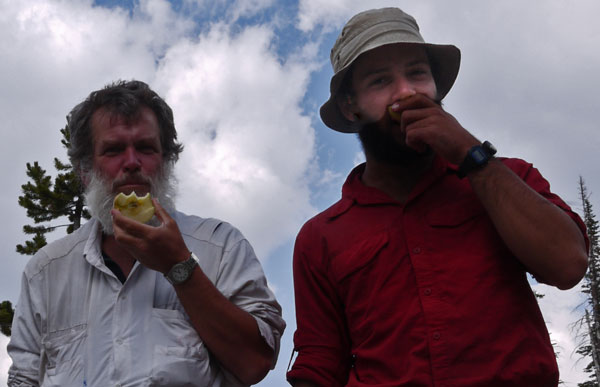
[(421, 117), (159, 211), (130, 231), (414, 102), (424, 123), (123, 226)]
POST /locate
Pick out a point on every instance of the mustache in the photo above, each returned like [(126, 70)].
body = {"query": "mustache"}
[(100, 192), (385, 120), (136, 178)]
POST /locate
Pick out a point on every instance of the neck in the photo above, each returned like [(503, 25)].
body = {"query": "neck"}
[(397, 181), (117, 253)]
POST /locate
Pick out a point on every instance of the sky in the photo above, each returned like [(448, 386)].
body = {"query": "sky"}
[(245, 79)]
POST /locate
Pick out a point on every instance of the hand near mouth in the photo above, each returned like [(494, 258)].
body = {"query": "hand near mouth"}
[(424, 123)]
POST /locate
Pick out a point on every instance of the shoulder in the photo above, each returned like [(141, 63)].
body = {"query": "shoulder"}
[(60, 251), (325, 218), (519, 166), (210, 230), (531, 175)]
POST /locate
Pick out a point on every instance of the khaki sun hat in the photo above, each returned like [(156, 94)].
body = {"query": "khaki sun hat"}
[(374, 28)]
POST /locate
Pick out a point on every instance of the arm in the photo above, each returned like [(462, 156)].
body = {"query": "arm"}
[(25, 343), (544, 238), (321, 338), (230, 333), (541, 235)]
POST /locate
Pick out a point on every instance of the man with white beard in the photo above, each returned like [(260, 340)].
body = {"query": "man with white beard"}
[(179, 301)]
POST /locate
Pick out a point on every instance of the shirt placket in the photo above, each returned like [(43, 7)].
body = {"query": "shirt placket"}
[(429, 290), (133, 302)]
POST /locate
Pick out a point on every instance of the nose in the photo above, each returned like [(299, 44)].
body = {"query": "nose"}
[(131, 163), (403, 88)]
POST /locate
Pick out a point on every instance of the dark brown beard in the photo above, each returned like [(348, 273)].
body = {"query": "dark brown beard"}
[(384, 148), (377, 140)]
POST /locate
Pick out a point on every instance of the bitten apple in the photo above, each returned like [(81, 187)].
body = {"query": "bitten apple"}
[(134, 207)]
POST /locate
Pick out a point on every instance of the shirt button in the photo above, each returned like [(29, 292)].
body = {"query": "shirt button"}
[(436, 335), (417, 250), (427, 292), (119, 341)]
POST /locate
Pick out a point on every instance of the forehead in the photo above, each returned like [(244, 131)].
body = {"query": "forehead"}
[(106, 124), (391, 54)]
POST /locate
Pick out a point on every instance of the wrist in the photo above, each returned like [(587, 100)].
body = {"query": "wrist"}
[(477, 157), (182, 271)]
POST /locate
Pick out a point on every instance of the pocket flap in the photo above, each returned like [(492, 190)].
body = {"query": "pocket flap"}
[(455, 213), (358, 255)]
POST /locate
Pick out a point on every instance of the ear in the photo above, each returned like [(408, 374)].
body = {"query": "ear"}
[(84, 177), (347, 107)]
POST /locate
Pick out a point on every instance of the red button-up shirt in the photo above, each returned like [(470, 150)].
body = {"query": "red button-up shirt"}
[(423, 293)]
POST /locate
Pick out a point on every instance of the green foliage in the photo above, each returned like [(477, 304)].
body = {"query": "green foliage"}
[(46, 200), (6, 316)]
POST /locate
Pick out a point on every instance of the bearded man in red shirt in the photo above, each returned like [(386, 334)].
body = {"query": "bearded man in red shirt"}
[(417, 276)]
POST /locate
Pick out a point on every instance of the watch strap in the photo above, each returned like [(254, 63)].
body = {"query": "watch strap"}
[(476, 157), (182, 271)]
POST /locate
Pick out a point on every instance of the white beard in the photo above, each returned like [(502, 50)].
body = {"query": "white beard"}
[(99, 195)]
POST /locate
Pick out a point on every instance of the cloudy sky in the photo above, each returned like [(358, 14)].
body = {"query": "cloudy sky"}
[(245, 79)]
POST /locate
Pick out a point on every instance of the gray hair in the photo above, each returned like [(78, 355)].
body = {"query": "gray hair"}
[(124, 99)]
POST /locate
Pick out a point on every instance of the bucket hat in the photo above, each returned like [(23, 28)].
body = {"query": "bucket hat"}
[(375, 28)]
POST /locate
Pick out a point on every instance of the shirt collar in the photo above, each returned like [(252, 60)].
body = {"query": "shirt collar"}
[(93, 247), (355, 191)]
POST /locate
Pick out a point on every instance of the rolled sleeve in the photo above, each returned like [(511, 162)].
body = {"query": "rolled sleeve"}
[(536, 181), (242, 281)]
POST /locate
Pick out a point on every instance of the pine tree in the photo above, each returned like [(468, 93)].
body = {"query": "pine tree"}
[(589, 325), (46, 201), (6, 316)]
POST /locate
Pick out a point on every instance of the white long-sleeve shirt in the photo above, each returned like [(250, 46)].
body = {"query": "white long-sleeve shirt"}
[(76, 324)]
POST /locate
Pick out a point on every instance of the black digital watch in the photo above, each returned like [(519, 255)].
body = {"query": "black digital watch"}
[(477, 157)]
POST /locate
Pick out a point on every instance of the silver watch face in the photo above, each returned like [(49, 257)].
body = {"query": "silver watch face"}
[(180, 273)]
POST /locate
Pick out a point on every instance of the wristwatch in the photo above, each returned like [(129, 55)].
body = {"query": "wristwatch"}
[(477, 157), (182, 271)]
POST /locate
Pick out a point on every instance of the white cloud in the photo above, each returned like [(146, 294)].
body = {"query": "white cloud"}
[(560, 310), (247, 143), (249, 8), (332, 14)]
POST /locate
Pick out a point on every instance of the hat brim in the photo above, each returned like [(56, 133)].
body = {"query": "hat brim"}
[(445, 64)]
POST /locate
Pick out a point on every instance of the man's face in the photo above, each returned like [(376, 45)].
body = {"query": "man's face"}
[(388, 74), (126, 153), (127, 157), (381, 77)]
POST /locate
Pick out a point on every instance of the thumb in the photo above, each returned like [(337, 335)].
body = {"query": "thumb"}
[(159, 211)]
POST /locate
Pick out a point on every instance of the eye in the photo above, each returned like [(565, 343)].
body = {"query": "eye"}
[(147, 148), (111, 151), (419, 72), (379, 81)]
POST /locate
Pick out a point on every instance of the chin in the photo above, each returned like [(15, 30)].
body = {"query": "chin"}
[(378, 141)]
